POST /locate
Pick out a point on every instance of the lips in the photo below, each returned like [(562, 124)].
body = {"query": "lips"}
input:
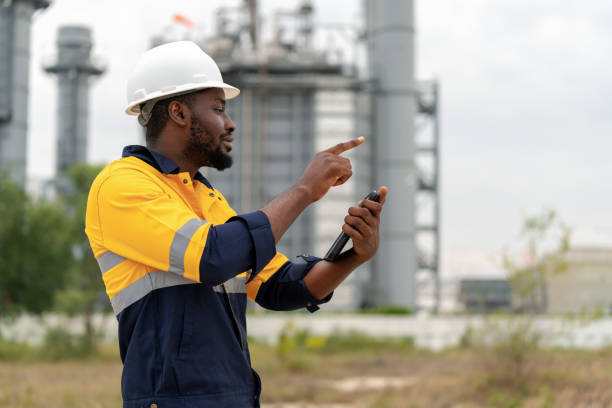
[(227, 142)]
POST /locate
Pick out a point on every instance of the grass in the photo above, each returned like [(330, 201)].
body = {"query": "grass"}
[(58, 345), (63, 385), (310, 368)]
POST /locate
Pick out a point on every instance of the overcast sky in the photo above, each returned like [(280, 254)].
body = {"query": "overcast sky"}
[(525, 110)]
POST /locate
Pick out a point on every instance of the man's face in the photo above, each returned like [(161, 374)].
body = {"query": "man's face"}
[(211, 138)]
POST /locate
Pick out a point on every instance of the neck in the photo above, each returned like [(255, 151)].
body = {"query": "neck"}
[(172, 152)]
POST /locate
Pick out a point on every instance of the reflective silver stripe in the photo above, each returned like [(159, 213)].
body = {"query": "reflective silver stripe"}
[(143, 286), (234, 285), (180, 242), (108, 261)]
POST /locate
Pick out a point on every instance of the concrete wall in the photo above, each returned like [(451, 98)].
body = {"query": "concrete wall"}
[(432, 333)]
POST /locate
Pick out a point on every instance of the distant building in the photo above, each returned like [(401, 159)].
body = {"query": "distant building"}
[(586, 284), (15, 27), (447, 293), (485, 295)]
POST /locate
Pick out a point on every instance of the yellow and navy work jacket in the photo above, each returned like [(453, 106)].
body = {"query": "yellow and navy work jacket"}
[(178, 265)]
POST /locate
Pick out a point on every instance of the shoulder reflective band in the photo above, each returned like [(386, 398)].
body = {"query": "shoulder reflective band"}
[(179, 245)]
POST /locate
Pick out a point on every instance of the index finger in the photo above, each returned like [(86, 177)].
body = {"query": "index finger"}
[(344, 146)]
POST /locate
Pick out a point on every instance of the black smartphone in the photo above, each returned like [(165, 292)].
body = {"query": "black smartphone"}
[(342, 239)]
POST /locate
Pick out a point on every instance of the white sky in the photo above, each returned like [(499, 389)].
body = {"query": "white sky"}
[(525, 105)]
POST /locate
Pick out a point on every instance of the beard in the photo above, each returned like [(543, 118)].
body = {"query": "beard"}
[(203, 150)]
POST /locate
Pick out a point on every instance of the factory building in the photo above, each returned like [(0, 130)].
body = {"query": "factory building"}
[(15, 23), (585, 286), (485, 295), (297, 99), (293, 103)]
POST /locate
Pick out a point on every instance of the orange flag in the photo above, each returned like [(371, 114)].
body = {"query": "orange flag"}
[(183, 20)]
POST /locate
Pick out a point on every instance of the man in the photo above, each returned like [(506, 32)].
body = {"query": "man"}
[(178, 263)]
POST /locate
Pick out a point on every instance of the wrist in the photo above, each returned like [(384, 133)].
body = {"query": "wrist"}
[(304, 192), (357, 258)]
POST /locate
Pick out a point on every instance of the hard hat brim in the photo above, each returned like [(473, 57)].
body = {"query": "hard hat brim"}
[(133, 109)]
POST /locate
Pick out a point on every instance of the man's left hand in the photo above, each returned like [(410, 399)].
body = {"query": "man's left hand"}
[(362, 225)]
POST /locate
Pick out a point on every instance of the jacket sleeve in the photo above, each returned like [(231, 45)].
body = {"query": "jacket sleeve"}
[(280, 285), (140, 221)]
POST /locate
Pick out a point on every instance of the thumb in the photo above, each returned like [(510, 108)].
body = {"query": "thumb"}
[(382, 194)]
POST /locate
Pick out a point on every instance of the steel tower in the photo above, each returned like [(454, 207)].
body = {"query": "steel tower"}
[(74, 67), (390, 44), (15, 22)]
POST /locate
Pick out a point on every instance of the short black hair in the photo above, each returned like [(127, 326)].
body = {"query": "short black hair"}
[(159, 116)]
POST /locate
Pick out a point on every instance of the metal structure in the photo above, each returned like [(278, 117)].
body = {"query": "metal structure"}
[(296, 100), (390, 47), (15, 22), (427, 158), (281, 122), (74, 68)]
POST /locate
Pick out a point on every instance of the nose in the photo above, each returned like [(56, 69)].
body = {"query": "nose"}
[(230, 126)]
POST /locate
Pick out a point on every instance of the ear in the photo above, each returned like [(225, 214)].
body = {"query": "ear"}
[(179, 113)]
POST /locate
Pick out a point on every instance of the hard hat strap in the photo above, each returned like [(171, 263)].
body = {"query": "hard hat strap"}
[(145, 112)]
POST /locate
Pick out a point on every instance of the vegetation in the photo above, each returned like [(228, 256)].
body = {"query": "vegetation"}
[(47, 261), (86, 293), (296, 348), (45, 255), (508, 343), (544, 240), (35, 250), (57, 345), (382, 375), (388, 310)]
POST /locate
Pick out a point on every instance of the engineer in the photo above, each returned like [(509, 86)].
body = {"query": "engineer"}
[(179, 264)]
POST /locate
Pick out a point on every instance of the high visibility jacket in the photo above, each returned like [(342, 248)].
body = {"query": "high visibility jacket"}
[(178, 265)]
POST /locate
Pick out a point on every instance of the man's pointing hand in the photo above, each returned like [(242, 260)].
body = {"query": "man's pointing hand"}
[(344, 146), (328, 169)]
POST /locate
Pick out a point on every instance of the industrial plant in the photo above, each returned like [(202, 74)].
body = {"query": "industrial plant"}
[(296, 99)]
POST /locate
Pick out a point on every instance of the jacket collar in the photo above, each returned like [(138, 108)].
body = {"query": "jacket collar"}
[(159, 162)]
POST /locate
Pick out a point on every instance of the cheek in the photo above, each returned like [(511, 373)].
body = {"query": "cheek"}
[(213, 125)]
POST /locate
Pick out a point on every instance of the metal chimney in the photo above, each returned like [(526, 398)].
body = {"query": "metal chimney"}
[(73, 68), (15, 22), (390, 45)]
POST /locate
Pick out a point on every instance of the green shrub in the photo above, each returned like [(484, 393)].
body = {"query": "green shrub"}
[(296, 348), (355, 341), (502, 400), (388, 310), (13, 351), (507, 344), (59, 344), (291, 348)]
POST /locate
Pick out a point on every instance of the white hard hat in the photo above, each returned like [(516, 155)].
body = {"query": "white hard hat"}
[(172, 69)]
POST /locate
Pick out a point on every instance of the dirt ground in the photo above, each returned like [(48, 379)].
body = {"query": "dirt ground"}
[(393, 378)]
